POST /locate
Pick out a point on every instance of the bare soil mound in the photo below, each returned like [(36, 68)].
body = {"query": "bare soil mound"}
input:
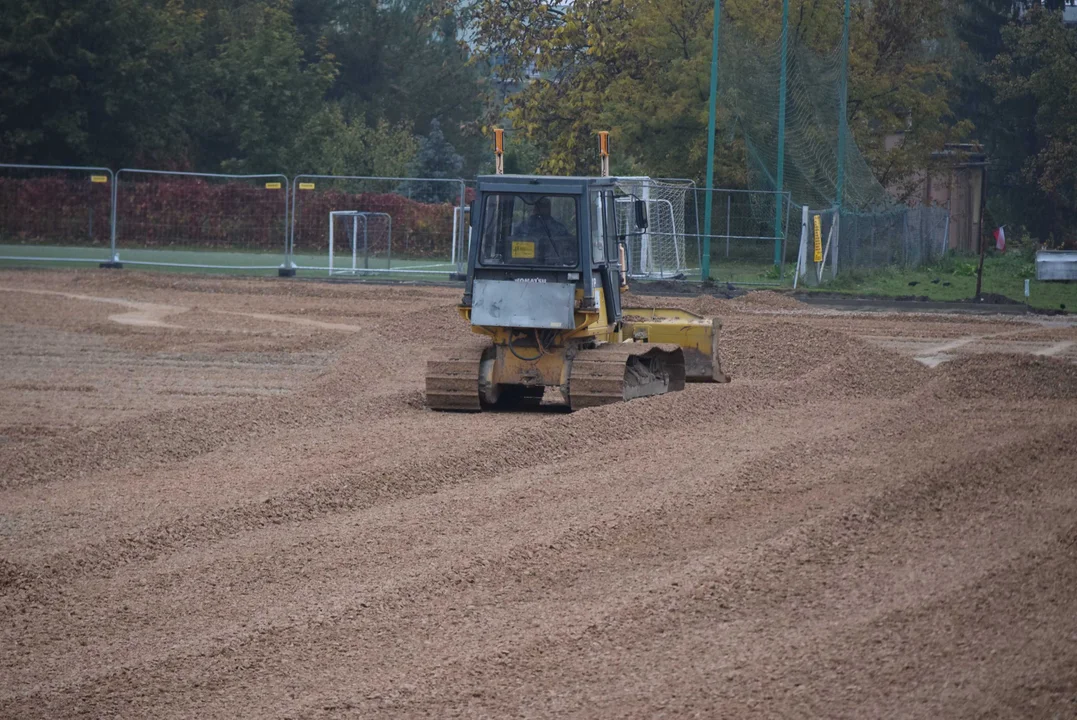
[(1011, 377), (821, 363), (779, 351), (704, 305), (767, 299)]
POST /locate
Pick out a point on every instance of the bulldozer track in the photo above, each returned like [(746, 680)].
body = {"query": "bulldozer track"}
[(452, 378), (598, 376)]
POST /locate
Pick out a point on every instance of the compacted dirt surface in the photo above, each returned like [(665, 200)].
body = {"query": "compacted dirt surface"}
[(225, 498)]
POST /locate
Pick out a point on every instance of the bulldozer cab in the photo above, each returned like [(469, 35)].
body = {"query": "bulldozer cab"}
[(530, 230), (542, 248)]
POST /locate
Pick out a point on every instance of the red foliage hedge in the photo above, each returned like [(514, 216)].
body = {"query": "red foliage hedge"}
[(56, 210), (163, 211)]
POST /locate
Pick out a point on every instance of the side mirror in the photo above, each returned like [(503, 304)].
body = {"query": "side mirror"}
[(641, 214), (471, 208)]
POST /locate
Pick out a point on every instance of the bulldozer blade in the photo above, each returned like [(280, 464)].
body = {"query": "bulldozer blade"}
[(703, 366), (697, 337)]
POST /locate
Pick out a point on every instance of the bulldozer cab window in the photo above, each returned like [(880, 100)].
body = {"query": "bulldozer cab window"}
[(530, 229)]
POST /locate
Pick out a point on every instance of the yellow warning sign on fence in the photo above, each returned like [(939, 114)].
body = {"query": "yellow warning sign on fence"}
[(272, 186), (818, 239), (306, 186), (99, 178)]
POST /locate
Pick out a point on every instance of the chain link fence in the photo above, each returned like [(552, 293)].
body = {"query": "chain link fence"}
[(817, 246), (907, 237), (748, 234), (412, 226), (747, 237), (832, 242)]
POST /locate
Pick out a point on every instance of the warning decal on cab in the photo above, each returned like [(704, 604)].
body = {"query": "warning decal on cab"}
[(523, 250)]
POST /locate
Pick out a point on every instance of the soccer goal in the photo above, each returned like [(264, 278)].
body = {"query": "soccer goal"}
[(660, 251), (367, 235)]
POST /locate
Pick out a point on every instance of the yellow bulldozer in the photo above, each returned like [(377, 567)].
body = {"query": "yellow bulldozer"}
[(546, 269)]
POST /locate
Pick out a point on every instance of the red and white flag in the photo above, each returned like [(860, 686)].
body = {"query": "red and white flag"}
[(1000, 239)]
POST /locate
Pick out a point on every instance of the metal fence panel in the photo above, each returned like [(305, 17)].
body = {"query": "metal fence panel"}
[(424, 235), (201, 220), (742, 234), (55, 213), (905, 237)]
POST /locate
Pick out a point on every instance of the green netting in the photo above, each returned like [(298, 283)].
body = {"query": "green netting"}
[(874, 229), (749, 82)]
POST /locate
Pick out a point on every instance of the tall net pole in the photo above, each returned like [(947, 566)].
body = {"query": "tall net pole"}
[(705, 263), (843, 120), (779, 180)]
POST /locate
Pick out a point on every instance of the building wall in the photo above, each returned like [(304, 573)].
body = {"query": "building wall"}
[(958, 186), (964, 192)]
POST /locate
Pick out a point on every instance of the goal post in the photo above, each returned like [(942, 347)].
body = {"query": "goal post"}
[(365, 234), (660, 250)]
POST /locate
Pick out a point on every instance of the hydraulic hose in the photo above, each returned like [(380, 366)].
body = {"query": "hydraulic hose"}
[(538, 342)]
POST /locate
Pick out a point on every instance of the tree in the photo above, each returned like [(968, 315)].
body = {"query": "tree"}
[(265, 88), (624, 66), (901, 81), (399, 61), (232, 85), (330, 144), (1035, 79), (436, 159), (98, 81), (641, 67)]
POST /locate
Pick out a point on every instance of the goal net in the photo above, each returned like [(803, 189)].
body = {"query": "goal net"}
[(359, 242), (660, 251)]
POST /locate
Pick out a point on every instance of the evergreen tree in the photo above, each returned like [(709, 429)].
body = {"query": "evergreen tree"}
[(996, 93), (436, 159), (1035, 83), (98, 82)]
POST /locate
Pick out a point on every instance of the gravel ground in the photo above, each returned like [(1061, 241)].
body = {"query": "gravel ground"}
[(225, 498)]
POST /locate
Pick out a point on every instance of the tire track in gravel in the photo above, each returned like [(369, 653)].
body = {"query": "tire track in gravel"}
[(162, 438), (400, 588), (497, 436), (660, 495), (245, 471), (658, 607), (487, 574), (776, 609), (841, 536), (496, 446), (984, 542)]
